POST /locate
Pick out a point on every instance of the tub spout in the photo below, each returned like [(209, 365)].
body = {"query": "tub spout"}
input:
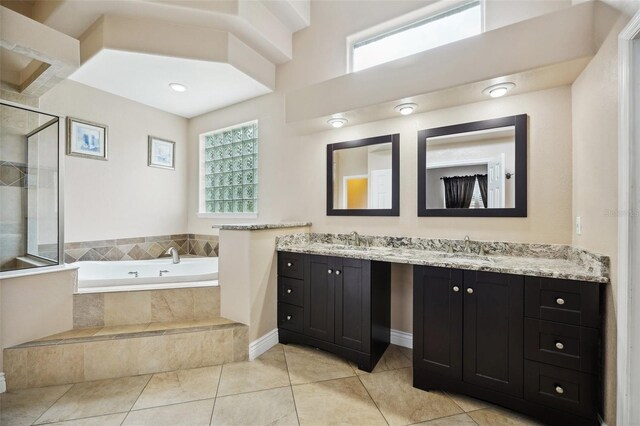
[(174, 254)]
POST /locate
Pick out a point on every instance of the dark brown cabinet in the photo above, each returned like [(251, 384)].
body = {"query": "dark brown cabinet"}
[(530, 344), (337, 304)]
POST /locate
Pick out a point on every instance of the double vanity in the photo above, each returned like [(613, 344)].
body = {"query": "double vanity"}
[(518, 325)]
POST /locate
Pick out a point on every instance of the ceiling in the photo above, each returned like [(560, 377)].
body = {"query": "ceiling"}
[(145, 78)]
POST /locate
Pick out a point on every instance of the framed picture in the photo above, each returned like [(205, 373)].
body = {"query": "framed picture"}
[(86, 139), (162, 153)]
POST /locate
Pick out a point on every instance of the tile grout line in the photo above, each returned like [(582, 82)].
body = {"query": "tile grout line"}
[(54, 403), (373, 400), (140, 394), (293, 396), (215, 399)]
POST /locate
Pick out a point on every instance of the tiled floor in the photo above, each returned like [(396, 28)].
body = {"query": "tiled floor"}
[(288, 385)]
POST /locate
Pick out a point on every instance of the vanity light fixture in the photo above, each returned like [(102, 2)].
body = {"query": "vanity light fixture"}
[(500, 89), (406, 109), (177, 87), (337, 122)]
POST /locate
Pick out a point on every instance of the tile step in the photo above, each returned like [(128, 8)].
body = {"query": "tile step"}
[(93, 334), (88, 354)]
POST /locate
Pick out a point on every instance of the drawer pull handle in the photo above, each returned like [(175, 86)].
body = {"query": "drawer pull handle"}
[(456, 288), (337, 272), (559, 390), (289, 264), (288, 317), (330, 271), (560, 301), (560, 345), (470, 290), (289, 291)]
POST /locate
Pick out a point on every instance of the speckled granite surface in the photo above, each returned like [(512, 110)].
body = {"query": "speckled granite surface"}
[(260, 226), (540, 260)]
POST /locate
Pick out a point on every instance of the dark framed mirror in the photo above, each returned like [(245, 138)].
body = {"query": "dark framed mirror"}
[(363, 177), (474, 169)]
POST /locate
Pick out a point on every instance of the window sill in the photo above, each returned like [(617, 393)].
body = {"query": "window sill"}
[(227, 215)]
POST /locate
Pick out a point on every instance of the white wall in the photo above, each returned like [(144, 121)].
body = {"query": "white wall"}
[(121, 197), (595, 180)]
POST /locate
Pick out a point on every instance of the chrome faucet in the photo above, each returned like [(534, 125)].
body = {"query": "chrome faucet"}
[(174, 254), (467, 244), (356, 238)]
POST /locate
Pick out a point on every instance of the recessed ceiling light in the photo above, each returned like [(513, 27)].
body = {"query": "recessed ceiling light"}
[(177, 87), (497, 90), (337, 122), (406, 109)]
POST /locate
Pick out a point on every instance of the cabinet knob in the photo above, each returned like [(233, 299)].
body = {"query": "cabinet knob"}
[(559, 390), (560, 345), (337, 272), (288, 317), (560, 301), (470, 290), (330, 271), (289, 291), (456, 288), (289, 264)]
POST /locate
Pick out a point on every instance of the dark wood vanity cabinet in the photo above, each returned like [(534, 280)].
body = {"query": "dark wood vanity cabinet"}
[(530, 344), (337, 304)]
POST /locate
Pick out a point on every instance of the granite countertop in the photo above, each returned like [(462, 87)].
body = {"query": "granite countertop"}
[(260, 226), (540, 260)]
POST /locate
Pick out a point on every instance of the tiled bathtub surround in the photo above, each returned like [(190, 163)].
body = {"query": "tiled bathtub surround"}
[(141, 248), (142, 307), (550, 260)]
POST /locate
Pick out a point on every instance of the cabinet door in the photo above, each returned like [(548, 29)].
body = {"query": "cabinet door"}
[(493, 331), (353, 303), (437, 321), (319, 295)]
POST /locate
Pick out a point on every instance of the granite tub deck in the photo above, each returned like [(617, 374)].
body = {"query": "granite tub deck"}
[(538, 260)]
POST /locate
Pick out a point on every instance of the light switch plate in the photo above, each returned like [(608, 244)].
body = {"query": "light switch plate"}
[(578, 225)]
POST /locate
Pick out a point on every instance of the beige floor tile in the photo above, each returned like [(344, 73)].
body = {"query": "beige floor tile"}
[(179, 386), (393, 359), (196, 413), (108, 420), (501, 417), (308, 365), (23, 407), (467, 403), (121, 329), (457, 420), (403, 404), (92, 399), (267, 372), (408, 352), (268, 407), (342, 401)]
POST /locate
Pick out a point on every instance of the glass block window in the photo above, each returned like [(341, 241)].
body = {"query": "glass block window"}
[(229, 167)]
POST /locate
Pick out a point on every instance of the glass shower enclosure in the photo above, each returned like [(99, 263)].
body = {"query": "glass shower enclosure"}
[(31, 226)]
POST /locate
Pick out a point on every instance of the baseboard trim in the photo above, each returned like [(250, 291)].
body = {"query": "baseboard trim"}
[(402, 338), (263, 344), (3, 383)]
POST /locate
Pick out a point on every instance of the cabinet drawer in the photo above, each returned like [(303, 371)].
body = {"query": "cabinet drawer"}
[(563, 345), (290, 317), (291, 265), (568, 302), (290, 291), (556, 387)]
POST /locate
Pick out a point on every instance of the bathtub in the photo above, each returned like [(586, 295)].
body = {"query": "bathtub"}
[(135, 275)]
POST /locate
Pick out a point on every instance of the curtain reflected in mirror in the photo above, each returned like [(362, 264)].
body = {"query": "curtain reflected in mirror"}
[(469, 168)]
